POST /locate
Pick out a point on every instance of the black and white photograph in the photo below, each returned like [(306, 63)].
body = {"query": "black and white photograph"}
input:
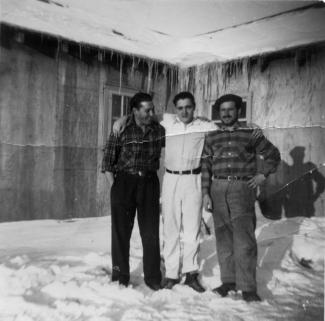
[(162, 160)]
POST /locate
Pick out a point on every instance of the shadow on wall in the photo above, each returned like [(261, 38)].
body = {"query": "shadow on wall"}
[(293, 189)]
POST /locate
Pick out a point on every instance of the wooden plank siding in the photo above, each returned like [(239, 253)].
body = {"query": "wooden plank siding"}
[(288, 102), (52, 113)]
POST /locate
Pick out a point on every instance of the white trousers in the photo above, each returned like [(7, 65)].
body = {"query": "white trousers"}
[(182, 212)]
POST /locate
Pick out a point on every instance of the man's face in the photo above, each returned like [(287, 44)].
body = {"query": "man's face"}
[(185, 110), (228, 113), (144, 113)]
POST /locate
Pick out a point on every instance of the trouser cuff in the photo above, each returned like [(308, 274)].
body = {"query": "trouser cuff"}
[(190, 270), (246, 287), (172, 276), (228, 279)]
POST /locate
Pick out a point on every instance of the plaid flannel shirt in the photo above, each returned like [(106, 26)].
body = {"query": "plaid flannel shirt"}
[(134, 150), (233, 153)]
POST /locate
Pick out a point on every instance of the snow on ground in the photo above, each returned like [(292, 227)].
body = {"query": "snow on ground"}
[(59, 270)]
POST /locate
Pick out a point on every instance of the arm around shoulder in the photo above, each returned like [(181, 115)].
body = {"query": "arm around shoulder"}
[(119, 125)]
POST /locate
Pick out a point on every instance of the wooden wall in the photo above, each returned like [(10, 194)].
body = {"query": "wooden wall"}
[(52, 106), (288, 101), (53, 112)]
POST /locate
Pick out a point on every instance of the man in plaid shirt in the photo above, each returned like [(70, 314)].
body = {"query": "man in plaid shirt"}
[(131, 161), (229, 182)]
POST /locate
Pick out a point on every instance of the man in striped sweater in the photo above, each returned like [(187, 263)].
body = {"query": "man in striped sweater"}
[(229, 182)]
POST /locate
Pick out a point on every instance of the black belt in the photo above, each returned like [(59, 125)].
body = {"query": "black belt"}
[(233, 178), (138, 173), (190, 171)]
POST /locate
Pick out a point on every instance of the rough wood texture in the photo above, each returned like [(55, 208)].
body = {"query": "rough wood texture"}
[(288, 103), (51, 140)]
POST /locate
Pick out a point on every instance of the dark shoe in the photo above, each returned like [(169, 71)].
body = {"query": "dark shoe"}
[(122, 280), (153, 286), (225, 288), (169, 283), (251, 296), (192, 281)]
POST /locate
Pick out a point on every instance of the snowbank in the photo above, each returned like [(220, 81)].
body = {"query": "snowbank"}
[(59, 270)]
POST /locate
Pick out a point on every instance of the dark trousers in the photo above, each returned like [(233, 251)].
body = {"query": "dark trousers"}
[(234, 220), (131, 193)]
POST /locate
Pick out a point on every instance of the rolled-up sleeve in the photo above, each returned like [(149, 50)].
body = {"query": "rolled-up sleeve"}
[(111, 153)]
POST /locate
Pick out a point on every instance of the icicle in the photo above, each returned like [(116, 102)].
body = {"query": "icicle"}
[(58, 50), (203, 77), (150, 65), (141, 62), (224, 76), (132, 68), (121, 74), (249, 72), (156, 71), (209, 83), (191, 79), (174, 77), (218, 76), (165, 76), (244, 71), (187, 79), (100, 56), (260, 62), (207, 80), (180, 79)]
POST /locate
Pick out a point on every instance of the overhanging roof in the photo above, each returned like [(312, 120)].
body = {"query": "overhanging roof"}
[(183, 32)]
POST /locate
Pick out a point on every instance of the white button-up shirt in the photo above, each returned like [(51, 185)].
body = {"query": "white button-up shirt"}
[(184, 142)]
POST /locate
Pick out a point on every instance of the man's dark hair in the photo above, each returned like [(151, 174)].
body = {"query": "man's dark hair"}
[(137, 99), (184, 95), (229, 97)]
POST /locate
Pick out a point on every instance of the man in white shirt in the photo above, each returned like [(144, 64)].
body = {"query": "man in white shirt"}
[(181, 190)]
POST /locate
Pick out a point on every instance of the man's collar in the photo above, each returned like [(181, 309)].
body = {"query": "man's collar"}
[(177, 120), (131, 122), (232, 128)]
